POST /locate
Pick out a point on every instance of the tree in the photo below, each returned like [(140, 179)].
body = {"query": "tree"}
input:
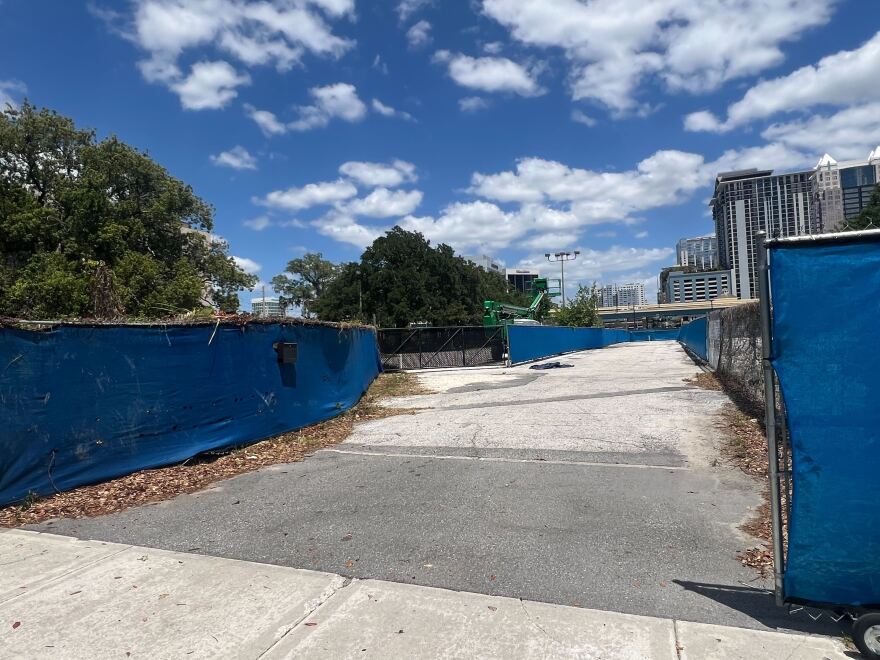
[(582, 310), (97, 229), (869, 218), (304, 280), (402, 279)]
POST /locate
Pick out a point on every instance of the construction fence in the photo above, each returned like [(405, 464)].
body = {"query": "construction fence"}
[(81, 404)]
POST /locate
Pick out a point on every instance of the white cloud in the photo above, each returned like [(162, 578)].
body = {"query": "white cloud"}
[(581, 118), (384, 203), (209, 85), (8, 88), (548, 241), (259, 223), (313, 194), (380, 174), (595, 265), (615, 45), (255, 33), (388, 111), (641, 234), (247, 265), (406, 8), (847, 134), (472, 104), (844, 78), (419, 34), (489, 74), (479, 225), (238, 158), (338, 101), (493, 47), (267, 121), (345, 229)]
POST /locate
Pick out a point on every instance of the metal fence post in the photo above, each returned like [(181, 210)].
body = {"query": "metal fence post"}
[(770, 417)]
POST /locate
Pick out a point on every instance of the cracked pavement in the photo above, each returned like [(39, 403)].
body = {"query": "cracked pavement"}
[(595, 486)]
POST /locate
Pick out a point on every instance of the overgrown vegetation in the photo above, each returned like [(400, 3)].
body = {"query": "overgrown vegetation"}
[(400, 279), (582, 310), (97, 229), (200, 472)]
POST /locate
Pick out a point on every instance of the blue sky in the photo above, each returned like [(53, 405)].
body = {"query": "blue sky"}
[(505, 127)]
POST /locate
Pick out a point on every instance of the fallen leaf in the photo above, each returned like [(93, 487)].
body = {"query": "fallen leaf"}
[(491, 578), (16, 625), (493, 608), (349, 563)]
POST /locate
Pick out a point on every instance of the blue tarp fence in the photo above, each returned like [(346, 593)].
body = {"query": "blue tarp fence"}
[(81, 404), (527, 342), (826, 320), (670, 334), (693, 336)]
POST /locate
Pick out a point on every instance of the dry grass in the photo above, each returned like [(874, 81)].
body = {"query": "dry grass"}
[(746, 447), (201, 471)]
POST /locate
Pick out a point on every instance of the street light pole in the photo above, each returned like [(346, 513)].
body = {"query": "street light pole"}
[(562, 257)]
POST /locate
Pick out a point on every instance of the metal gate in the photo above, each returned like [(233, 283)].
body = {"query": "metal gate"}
[(431, 348)]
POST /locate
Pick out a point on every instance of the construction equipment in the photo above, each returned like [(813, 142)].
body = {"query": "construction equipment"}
[(501, 313)]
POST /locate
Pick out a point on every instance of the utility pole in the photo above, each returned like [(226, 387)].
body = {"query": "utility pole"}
[(562, 257)]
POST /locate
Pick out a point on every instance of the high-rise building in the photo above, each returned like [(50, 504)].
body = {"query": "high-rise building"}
[(682, 286), (842, 190), (748, 201), (486, 262), (700, 253), (622, 295), (266, 307), (521, 278)]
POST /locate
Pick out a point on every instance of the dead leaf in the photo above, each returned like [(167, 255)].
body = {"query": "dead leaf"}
[(491, 578), (349, 563)]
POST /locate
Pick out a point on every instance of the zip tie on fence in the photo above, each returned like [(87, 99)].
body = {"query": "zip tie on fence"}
[(49, 472), (217, 325)]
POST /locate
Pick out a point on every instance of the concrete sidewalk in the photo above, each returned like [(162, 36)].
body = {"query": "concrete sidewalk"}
[(65, 598)]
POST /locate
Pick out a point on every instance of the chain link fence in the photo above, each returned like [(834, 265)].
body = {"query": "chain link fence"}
[(437, 347), (734, 352)]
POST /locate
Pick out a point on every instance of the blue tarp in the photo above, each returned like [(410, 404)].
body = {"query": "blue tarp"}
[(826, 320), (528, 342), (84, 404), (693, 336), (654, 335)]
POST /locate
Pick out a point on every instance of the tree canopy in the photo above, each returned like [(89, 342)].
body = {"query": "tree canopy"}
[(869, 218), (582, 310), (401, 278), (304, 280), (94, 228)]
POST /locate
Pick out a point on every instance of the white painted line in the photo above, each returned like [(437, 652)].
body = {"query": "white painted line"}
[(498, 459)]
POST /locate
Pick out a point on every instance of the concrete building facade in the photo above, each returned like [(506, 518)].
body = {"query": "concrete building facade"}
[(486, 262), (842, 190), (266, 307), (622, 295), (699, 253), (682, 286), (748, 201), (521, 278)]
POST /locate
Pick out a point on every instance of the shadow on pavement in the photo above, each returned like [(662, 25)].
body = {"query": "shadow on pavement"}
[(759, 604)]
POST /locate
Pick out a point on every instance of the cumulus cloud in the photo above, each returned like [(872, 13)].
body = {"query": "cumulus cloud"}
[(267, 121), (842, 79), (238, 158), (472, 104), (384, 203), (209, 85), (379, 174), (406, 8), (343, 228), (489, 74), (254, 33), (615, 45), (388, 111), (258, 224), (419, 34), (312, 194), (9, 91), (847, 134), (581, 118), (247, 265), (339, 101)]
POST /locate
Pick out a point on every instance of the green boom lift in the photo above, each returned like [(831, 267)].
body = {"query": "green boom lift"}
[(500, 313)]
